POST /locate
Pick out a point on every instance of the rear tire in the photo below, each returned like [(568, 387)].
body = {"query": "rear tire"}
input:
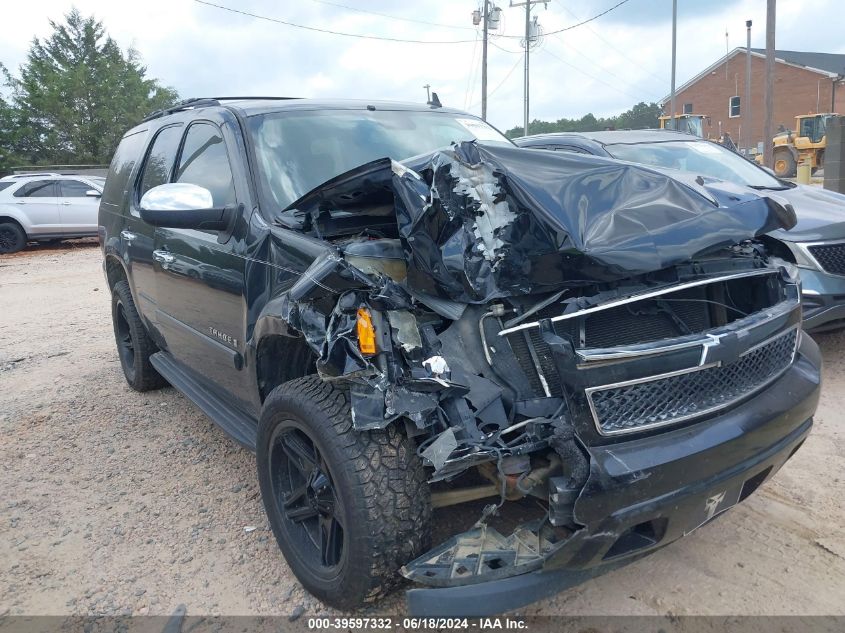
[(12, 237), (348, 508), (134, 345), (785, 166)]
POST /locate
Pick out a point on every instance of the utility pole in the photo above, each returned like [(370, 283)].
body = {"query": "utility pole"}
[(769, 99), (485, 19), (745, 108), (527, 4), (427, 93), (672, 125)]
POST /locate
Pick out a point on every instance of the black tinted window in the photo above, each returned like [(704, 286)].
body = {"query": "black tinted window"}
[(74, 188), (204, 162), (571, 148), (37, 189), (160, 159), (122, 162), (3, 185)]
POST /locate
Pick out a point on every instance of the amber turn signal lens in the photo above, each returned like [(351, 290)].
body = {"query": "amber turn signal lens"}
[(366, 332)]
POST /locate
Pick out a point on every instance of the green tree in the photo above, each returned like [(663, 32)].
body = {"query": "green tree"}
[(643, 115), (77, 93), (7, 128)]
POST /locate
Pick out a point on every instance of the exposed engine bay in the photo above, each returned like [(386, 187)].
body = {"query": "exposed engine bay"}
[(514, 308)]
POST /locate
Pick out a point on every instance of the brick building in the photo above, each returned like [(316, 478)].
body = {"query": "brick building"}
[(804, 83)]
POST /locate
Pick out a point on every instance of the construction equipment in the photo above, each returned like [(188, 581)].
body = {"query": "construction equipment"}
[(687, 123), (807, 145)]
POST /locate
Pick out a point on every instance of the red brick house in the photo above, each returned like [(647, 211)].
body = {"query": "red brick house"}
[(804, 83)]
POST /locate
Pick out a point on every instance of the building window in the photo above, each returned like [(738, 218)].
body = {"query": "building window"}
[(733, 107), (687, 108)]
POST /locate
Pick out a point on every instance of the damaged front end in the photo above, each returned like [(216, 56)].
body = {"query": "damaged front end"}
[(548, 324)]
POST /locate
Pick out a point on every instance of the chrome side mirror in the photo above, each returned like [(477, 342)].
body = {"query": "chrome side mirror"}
[(183, 205), (177, 196)]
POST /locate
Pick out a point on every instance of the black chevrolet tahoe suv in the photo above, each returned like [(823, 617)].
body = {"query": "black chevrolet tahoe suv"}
[(399, 312)]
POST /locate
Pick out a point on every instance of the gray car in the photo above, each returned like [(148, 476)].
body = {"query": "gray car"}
[(45, 207), (816, 245)]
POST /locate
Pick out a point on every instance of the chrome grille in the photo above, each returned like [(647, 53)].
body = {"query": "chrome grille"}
[(626, 325), (670, 398), (831, 257)]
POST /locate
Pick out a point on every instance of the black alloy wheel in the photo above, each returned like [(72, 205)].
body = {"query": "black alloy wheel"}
[(134, 346), (305, 494), (12, 238), (123, 338), (348, 507)]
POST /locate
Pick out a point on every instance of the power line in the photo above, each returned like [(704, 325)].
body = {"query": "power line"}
[(610, 45), (389, 39), (467, 96), (583, 22), (601, 68), (502, 48), (393, 17), (501, 83), (583, 72), (328, 31)]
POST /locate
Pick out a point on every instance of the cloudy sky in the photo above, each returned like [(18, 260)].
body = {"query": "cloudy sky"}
[(602, 67)]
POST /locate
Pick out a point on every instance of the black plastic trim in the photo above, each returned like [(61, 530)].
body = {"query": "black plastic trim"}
[(239, 426), (498, 596)]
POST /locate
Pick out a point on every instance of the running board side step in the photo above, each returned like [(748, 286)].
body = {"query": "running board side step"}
[(239, 426)]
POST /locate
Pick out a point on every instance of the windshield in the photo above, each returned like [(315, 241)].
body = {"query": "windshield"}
[(298, 151), (691, 125), (699, 157)]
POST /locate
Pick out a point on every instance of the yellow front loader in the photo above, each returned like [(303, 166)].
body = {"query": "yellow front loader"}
[(687, 123), (806, 144)]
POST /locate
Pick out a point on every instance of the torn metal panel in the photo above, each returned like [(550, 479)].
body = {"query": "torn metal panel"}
[(479, 222), (575, 220), (440, 449), (482, 554), (407, 331)]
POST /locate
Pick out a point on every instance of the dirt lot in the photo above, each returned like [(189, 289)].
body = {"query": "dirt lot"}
[(119, 502)]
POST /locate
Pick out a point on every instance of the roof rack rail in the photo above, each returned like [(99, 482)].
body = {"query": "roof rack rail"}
[(27, 174), (199, 102)]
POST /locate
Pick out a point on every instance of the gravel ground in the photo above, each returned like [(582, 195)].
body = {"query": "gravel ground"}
[(115, 502)]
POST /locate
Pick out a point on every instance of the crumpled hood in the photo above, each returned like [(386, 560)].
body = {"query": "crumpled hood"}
[(480, 222), (820, 213)]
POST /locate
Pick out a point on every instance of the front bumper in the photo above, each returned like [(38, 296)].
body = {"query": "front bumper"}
[(643, 494), (823, 300)]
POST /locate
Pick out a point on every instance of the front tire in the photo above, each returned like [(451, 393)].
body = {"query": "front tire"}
[(12, 237), (134, 345), (348, 508), (785, 166)]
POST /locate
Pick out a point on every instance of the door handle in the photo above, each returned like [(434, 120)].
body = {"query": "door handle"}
[(128, 235), (65, 202), (163, 256)]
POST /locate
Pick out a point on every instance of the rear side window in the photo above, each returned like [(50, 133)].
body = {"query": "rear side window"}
[(4, 185), (74, 188), (122, 163), (37, 189), (160, 159), (205, 162), (571, 148)]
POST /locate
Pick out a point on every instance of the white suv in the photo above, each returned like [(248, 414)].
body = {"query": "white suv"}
[(40, 207)]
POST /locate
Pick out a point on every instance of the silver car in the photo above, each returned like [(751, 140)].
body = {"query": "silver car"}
[(816, 244), (43, 207)]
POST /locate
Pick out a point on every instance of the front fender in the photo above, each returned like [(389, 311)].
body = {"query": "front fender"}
[(16, 214)]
